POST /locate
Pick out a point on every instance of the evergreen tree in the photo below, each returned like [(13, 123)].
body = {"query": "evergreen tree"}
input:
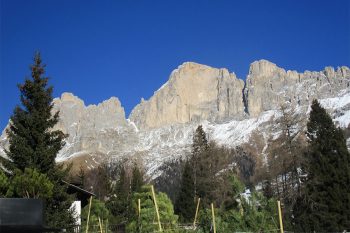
[(4, 184), (253, 213), (81, 177), (200, 142), (34, 144), (207, 185), (137, 180), (98, 211), (185, 205), (208, 162), (267, 189), (102, 185), (199, 147), (325, 201), (30, 184), (57, 210), (119, 203), (147, 222), (235, 188)]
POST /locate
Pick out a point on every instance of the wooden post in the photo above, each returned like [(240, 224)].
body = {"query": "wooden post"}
[(88, 218), (212, 211), (280, 215), (139, 218), (195, 216), (156, 206), (139, 206), (99, 222)]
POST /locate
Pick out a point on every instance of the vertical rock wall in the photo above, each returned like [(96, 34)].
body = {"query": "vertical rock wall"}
[(194, 92), (268, 86)]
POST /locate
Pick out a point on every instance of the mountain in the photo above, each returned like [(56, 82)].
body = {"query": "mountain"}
[(232, 111), (194, 92)]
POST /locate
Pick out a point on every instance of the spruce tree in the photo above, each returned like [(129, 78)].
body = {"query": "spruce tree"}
[(325, 201), (33, 143), (191, 186), (97, 211), (119, 203), (184, 205), (81, 177), (200, 142), (137, 180), (199, 147)]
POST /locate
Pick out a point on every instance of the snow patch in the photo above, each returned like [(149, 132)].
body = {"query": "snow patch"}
[(132, 124), (344, 120), (336, 102), (238, 132), (76, 154)]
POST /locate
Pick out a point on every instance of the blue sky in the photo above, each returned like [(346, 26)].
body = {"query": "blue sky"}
[(98, 49)]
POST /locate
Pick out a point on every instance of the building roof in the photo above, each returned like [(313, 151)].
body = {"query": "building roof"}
[(79, 189)]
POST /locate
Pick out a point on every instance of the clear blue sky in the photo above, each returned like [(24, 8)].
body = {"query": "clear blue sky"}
[(98, 49)]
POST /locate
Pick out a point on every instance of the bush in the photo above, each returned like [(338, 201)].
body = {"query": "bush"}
[(148, 219)]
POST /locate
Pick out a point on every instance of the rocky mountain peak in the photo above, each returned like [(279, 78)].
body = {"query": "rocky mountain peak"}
[(264, 68), (269, 86), (68, 97), (74, 115), (194, 92), (112, 104)]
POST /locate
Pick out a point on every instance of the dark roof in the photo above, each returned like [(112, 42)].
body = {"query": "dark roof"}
[(81, 190)]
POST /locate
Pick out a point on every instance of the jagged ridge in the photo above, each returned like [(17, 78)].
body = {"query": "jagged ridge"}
[(230, 110)]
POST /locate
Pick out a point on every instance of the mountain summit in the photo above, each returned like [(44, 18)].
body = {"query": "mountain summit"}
[(194, 92), (198, 92)]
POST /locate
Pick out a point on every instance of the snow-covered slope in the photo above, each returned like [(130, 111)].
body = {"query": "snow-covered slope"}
[(157, 146)]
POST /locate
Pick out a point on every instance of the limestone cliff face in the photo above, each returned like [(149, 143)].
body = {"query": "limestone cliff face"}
[(194, 92), (75, 116), (268, 86), (92, 128)]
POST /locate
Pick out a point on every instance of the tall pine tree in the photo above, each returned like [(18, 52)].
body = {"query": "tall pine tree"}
[(120, 201), (193, 174), (200, 142), (137, 179), (325, 202), (199, 147), (34, 144), (184, 205)]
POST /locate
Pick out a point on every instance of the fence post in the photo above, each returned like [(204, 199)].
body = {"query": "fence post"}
[(139, 206), (88, 218), (280, 215), (139, 217), (99, 222), (195, 216), (156, 206), (212, 211)]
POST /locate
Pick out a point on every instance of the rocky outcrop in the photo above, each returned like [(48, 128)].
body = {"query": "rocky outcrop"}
[(75, 116), (194, 92), (269, 86), (93, 128), (197, 92)]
